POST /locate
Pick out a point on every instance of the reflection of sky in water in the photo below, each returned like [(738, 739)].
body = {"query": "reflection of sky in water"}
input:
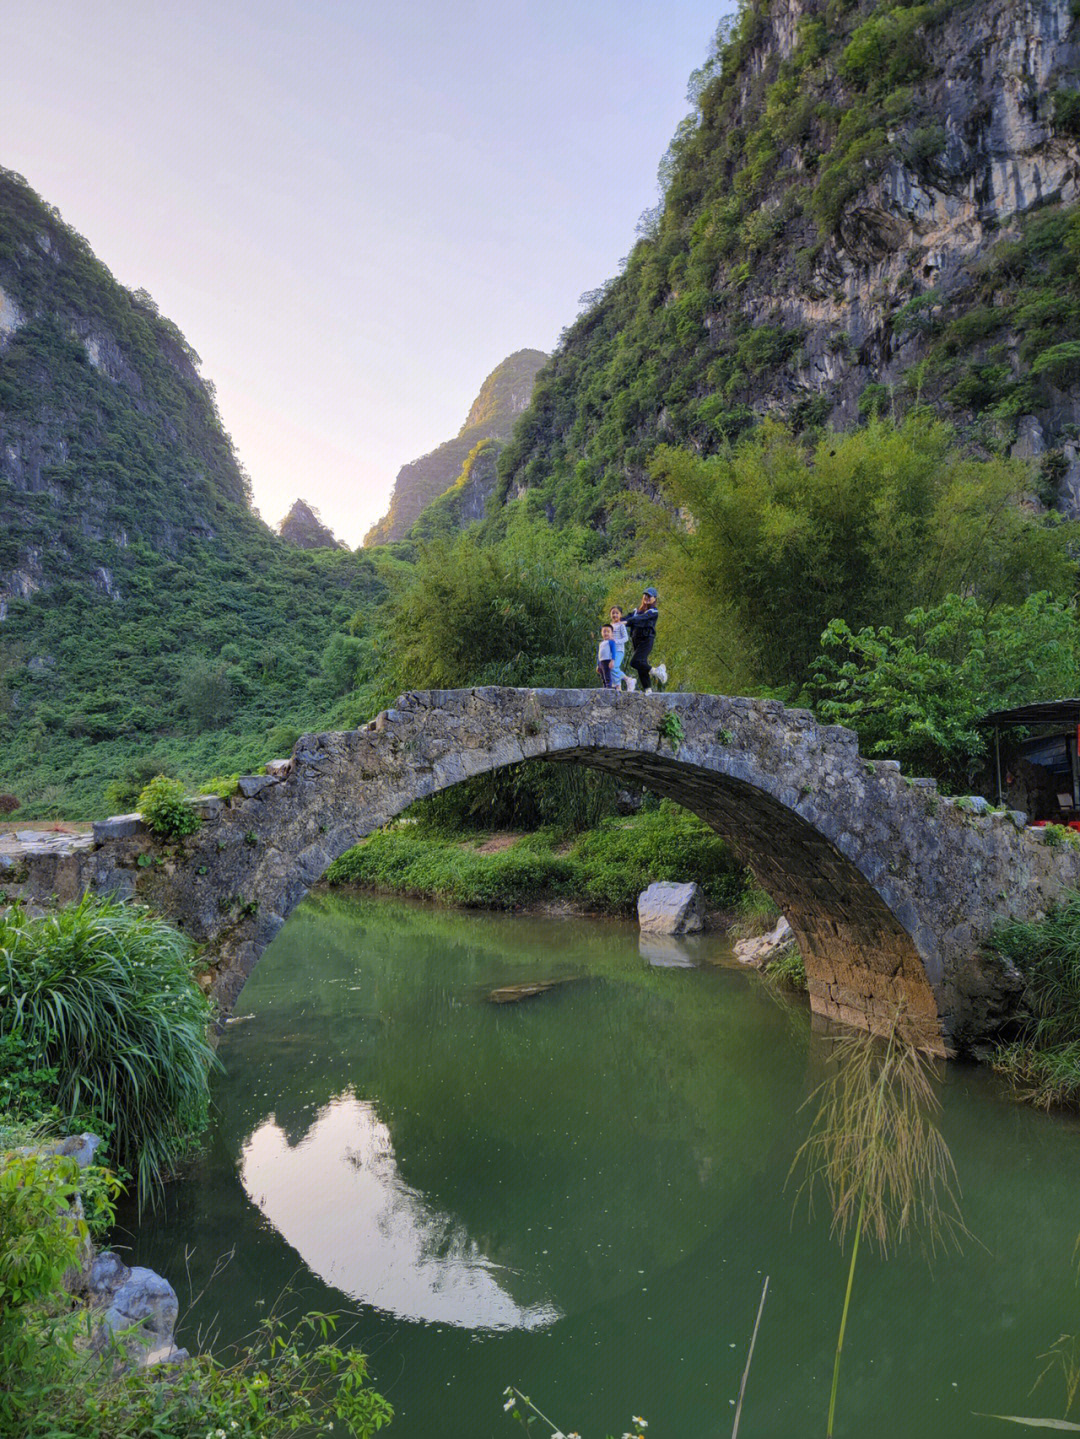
[(338, 1199)]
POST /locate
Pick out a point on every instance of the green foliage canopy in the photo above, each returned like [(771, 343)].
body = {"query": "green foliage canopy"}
[(763, 545), (915, 694)]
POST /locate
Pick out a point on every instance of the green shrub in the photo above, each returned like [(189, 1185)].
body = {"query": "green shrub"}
[(41, 1240), (606, 867), (756, 912), (281, 739), (787, 970), (1042, 1060), (288, 1379), (926, 143), (165, 809), (1059, 363), (1067, 112), (99, 1001), (26, 1087), (223, 785), (875, 400)]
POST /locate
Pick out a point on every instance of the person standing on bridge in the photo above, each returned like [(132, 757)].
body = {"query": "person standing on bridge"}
[(641, 625)]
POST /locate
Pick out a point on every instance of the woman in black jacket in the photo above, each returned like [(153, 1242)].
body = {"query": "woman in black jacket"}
[(641, 623)]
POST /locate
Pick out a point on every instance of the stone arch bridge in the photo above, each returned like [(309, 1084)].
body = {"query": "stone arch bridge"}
[(889, 888)]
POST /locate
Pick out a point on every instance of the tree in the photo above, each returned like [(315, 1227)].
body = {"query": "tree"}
[(763, 545), (206, 691), (915, 695)]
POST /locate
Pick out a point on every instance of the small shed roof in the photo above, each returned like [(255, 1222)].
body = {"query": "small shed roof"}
[(1062, 712)]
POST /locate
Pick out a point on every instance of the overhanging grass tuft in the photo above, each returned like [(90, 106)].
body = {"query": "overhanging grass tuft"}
[(103, 995)]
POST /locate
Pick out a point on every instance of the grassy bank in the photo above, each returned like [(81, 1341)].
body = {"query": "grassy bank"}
[(603, 869), (103, 1028), (1042, 1058)]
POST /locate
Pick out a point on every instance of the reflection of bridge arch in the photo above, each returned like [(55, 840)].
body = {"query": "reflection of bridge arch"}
[(889, 889)]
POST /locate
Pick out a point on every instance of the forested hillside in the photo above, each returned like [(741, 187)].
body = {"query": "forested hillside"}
[(869, 205), (149, 620), (502, 398)]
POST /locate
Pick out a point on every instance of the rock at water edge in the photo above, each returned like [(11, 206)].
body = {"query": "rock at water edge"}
[(764, 947), (666, 908)]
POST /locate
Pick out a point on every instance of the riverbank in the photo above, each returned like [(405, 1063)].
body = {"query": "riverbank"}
[(599, 871)]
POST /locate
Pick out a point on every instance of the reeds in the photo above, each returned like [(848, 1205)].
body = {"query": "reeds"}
[(103, 994), (876, 1152)]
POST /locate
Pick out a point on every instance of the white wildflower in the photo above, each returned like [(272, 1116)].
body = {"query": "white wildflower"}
[(641, 1423), (509, 1404)]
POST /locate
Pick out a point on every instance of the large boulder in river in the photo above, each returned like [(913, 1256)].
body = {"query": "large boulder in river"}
[(666, 908)]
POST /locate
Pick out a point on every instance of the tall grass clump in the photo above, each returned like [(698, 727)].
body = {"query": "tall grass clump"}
[(1042, 1060), (102, 995), (875, 1150)]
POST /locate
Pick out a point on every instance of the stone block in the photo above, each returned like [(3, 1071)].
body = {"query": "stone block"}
[(667, 908), (250, 785), (207, 806), (107, 1274), (119, 826)]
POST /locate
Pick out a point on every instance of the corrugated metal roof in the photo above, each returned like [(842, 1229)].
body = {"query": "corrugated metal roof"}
[(1063, 712)]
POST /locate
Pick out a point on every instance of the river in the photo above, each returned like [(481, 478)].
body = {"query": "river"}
[(581, 1193)]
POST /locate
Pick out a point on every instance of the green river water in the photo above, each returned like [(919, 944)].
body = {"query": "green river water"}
[(581, 1194)]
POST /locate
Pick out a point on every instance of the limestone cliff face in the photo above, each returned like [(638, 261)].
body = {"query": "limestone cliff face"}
[(924, 224), (869, 203), (303, 526), (466, 499), (504, 395), (109, 436)]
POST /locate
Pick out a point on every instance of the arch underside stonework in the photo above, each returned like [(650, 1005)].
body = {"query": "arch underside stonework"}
[(891, 890), (862, 966)]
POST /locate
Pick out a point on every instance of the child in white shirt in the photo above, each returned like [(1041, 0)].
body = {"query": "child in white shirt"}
[(605, 656)]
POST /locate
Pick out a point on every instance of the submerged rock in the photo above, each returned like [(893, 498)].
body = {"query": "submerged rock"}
[(512, 993), (667, 951)]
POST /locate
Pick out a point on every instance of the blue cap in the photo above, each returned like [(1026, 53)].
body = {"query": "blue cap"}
[(651, 593)]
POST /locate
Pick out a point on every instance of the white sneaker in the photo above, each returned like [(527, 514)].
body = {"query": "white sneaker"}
[(631, 684), (647, 690)]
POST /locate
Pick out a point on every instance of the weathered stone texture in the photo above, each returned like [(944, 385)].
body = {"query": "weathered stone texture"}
[(889, 889)]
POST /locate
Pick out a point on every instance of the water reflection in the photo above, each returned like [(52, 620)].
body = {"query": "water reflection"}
[(669, 951), (337, 1197)]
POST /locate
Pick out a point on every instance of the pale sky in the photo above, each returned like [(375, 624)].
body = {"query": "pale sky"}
[(353, 211)]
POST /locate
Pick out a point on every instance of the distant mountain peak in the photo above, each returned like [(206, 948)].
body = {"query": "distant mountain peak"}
[(303, 526), (503, 396)]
